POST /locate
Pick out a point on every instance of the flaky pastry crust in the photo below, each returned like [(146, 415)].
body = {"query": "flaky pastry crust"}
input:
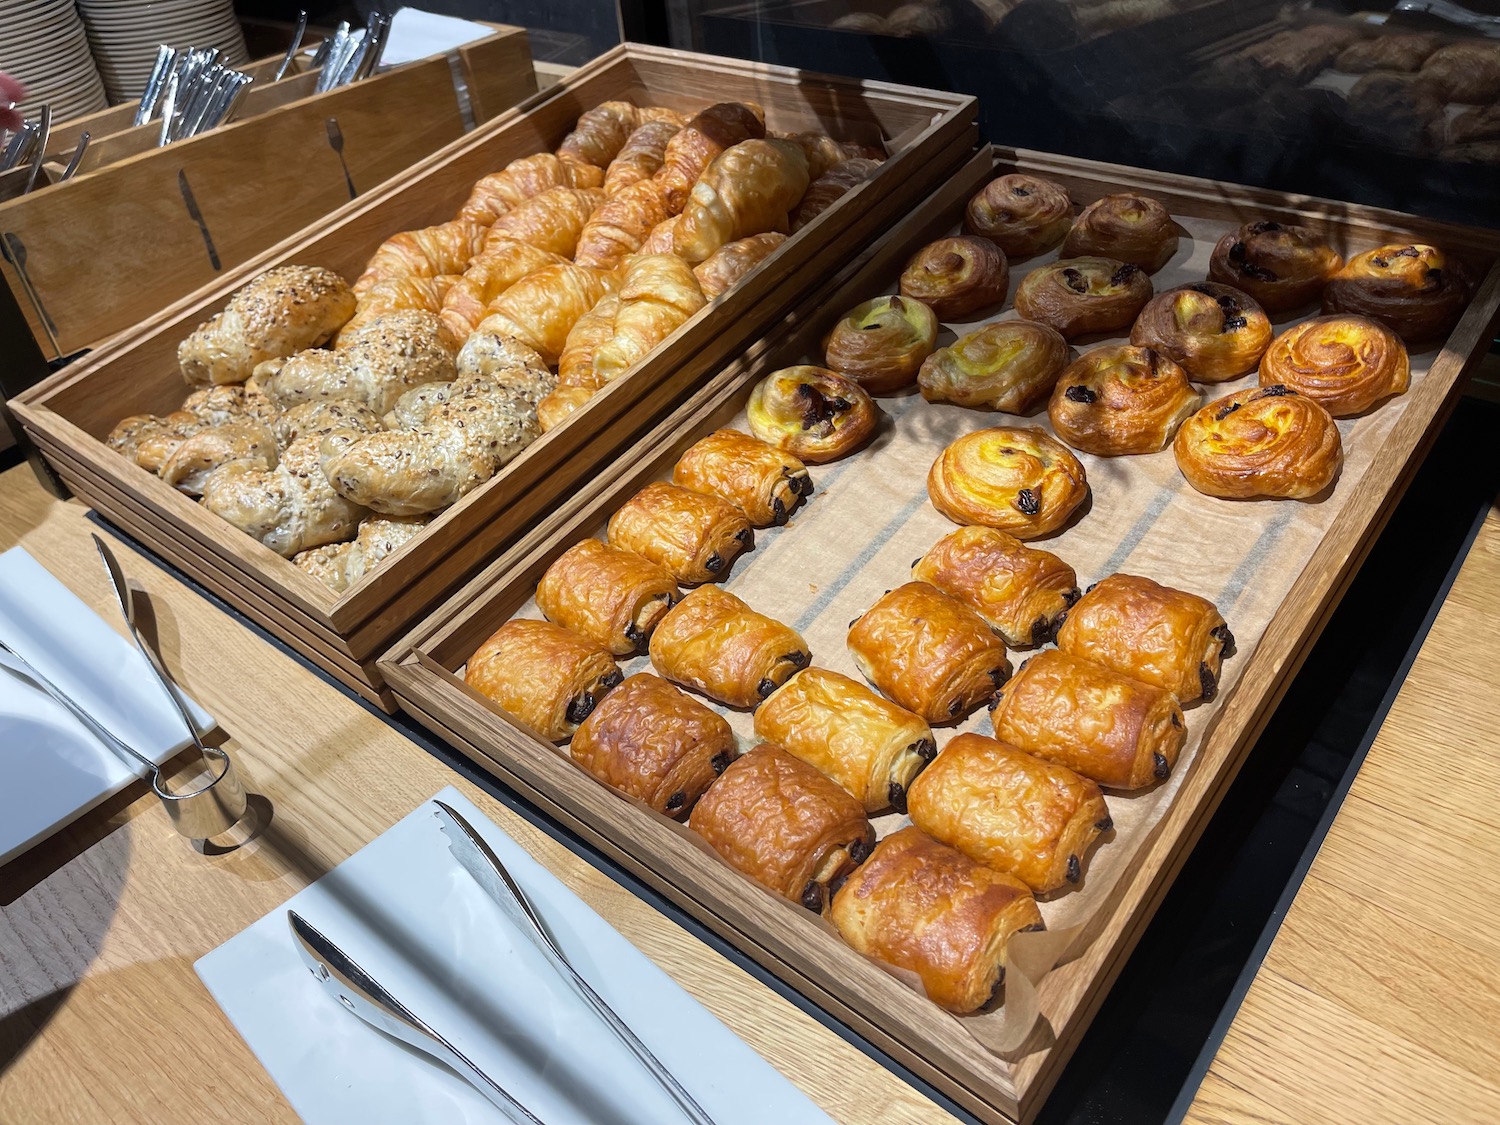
[(1079, 296), (1260, 442), (1213, 332), (610, 596), (1345, 363), (1119, 400), (1009, 366), (694, 537), (547, 677), (713, 642), (1023, 481), (1022, 591)]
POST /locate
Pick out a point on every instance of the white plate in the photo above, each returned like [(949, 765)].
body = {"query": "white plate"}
[(54, 769), (407, 913)]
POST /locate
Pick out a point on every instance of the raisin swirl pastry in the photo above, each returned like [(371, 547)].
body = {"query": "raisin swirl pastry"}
[(1126, 227), (1213, 332), (930, 653), (1011, 811), (1280, 266), (778, 820), (1345, 363), (1023, 215), (695, 538), (867, 744), (882, 343), (957, 276), (1023, 481), (928, 908), (1022, 591), (612, 597), (650, 741), (812, 413), (1078, 296), (1121, 399), (1416, 290), (762, 481), (1260, 442), (1009, 366), (546, 676), (714, 643), (1110, 728)]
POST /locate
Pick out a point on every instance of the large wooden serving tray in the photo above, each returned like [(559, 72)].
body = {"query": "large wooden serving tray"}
[(1288, 572), (927, 134)]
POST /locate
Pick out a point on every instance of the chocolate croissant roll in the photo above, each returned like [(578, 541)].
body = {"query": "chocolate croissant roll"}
[(1417, 290), (1121, 399), (714, 643), (546, 676), (1023, 481), (1152, 633), (1078, 296), (1345, 363), (1280, 266), (1011, 811), (881, 343), (1118, 731), (1009, 365), (612, 597), (1213, 332), (781, 822), (1022, 591), (927, 908), (694, 537), (930, 653), (1023, 215), (652, 742), (867, 744), (1260, 442), (812, 413), (1126, 227), (762, 481), (957, 276)]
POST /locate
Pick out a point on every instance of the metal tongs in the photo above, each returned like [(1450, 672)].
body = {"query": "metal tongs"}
[(1452, 13), (347, 57)]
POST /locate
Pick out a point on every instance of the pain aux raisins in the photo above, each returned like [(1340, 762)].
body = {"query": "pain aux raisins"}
[(1028, 501), (1080, 393)]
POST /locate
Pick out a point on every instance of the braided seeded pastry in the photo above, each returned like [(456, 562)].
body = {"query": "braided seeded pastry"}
[(430, 252), (341, 565), (1281, 266), (1213, 332), (812, 413), (1023, 215), (1023, 481), (244, 439), (1260, 442), (542, 675), (1078, 296), (1121, 399), (1417, 290), (957, 276), (700, 141), (1345, 363), (1125, 227), (881, 344), (749, 188), (1009, 365)]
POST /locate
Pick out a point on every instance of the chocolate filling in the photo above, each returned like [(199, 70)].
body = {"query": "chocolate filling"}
[(720, 761), (1209, 683), (1106, 824), (925, 748), (895, 793), (580, 707), (746, 537), (812, 896), (713, 564), (801, 484), (1224, 635), (859, 851), (1159, 765), (765, 687), (1075, 869), (676, 801), (956, 707)]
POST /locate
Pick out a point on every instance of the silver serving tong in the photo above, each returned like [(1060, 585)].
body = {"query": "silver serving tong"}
[(166, 62), (43, 136), (291, 51), (22, 141), (77, 157)]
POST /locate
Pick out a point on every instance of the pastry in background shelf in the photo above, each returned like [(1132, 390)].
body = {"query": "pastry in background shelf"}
[(641, 156), (600, 133), (749, 188), (721, 271), (1395, 111), (1119, 400), (957, 276), (658, 295), (341, 565), (1023, 481), (929, 652), (1115, 730), (430, 252), (881, 344), (1011, 811), (550, 221), (714, 643), (782, 823), (277, 314), (1467, 72), (823, 152), (1023, 215), (1262, 442), (1416, 290), (867, 744), (502, 263), (1010, 365), (657, 744), (1281, 266), (1079, 296), (1127, 228), (1022, 591), (241, 439), (929, 909), (1345, 363), (398, 294), (1213, 332), (1388, 51), (762, 481), (1482, 123), (694, 537), (619, 227), (610, 596), (520, 180), (704, 137), (830, 187), (812, 413), (543, 675), (541, 309)]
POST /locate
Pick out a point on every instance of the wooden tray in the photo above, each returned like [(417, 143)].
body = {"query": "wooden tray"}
[(423, 668), (927, 134)]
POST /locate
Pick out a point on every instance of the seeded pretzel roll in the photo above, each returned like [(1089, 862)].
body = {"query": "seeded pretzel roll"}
[(1009, 365), (812, 413), (1023, 215), (1121, 399), (930, 653), (1260, 442), (1011, 811), (714, 643), (1022, 481), (1022, 591), (1117, 731), (1280, 266), (1416, 290), (1213, 332), (612, 597), (695, 538), (1078, 296), (881, 343), (1127, 228), (1345, 363), (546, 676), (957, 276), (762, 481)]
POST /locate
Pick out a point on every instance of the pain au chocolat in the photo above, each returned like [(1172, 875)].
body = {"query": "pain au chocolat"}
[(1022, 591), (713, 642), (694, 537), (611, 596), (546, 676), (760, 480)]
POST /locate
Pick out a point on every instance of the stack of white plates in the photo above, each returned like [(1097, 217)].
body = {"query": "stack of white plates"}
[(42, 43), (125, 35)]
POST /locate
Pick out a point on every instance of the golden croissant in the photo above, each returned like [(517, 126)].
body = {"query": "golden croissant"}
[(658, 294), (429, 252), (600, 134), (722, 270), (594, 329), (550, 221), (541, 309), (641, 158), (502, 263), (398, 294), (703, 138), (621, 224), (748, 189), (519, 181), (827, 189)]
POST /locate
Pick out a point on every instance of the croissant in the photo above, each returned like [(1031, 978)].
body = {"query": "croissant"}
[(599, 134), (621, 224), (519, 181), (722, 270), (429, 252), (662, 237), (398, 294), (657, 295), (641, 157), (550, 221), (541, 309), (703, 138), (556, 408), (823, 152), (595, 328), (748, 189), (502, 263), (241, 439), (828, 188)]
